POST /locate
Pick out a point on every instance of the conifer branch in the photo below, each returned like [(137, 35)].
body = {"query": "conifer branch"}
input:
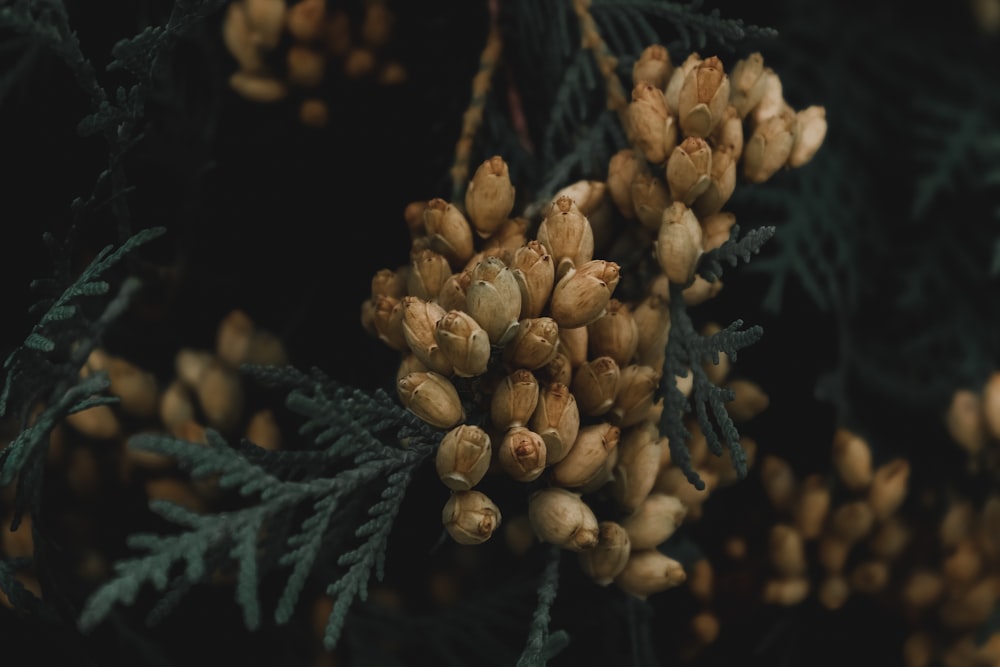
[(544, 645), (732, 251), (687, 352)]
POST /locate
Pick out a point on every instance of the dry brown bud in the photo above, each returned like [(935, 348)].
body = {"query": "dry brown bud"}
[(721, 185), (573, 343), (588, 454), (677, 79), (561, 517), (772, 101), (98, 422), (888, 488), (535, 274), (582, 295), (890, 540), (463, 457), (965, 422), (778, 480), (728, 134), (749, 402), (388, 321), (470, 517), (420, 319), (991, 405), (769, 146), (258, 87), (922, 589), (689, 170), (614, 334), (622, 170), (678, 244), (428, 272), (557, 420), (652, 127), (636, 393), (971, 608), (650, 198), (220, 395), (432, 397), (810, 135), (176, 405), (263, 430), (852, 458), (489, 198), (232, 338), (514, 400), (652, 319), (448, 231), (833, 553), (716, 229), (648, 572), (787, 551), (377, 24), (703, 98), (534, 345), (852, 521), (494, 299), (305, 66), (240, 39), (305, 20), (567, 236), (747, 83), (654, 521), (833, 592), (387, 282), (137, 390), (595, 386), (653, 66), (452, 295), (812, 506), (522, 454), (786, 592), (639, 454), (560, 370), (511, 235), (606, 560), (267, 20), (463, 343)]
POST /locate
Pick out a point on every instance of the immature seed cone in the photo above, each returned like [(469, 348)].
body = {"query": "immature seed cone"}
[(769, 146), (522, 454), (534, 345), (588, 455), (463, 343), (654, 521), (606, 560), (428, 272), (852, 521), (810, 135), (559, 370), (240, 39), (448, 231), (514, 400), (220, 395), (535, 274), (595, 385), (305, 20), (965, 422), (652, 319), (648, 572), (622, 170), (266, 19), (557, 420), (653, 66), (650, 198), (689, 170), (567, 236), (888, 489), (305, 66), (747, 83), (258, 87), (636, 393), (494, 299), (651, 126), (772, 102), (788, 556), (728, 134), (812, 506), (470, 517), (561, 517), (420, 319), (136, 389), (489, 198), (852, 459), (452, 295), (614, 334), (721, 184), (639, 454), (678, 244), (583, 294), (432, 397), (463, 457), (388, 322), (703, 98), (716, 229)]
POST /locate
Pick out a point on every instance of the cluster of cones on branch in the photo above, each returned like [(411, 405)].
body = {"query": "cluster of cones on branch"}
[(517, 348)]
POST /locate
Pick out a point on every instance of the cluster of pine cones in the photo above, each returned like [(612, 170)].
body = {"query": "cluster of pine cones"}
[(518, 349)]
